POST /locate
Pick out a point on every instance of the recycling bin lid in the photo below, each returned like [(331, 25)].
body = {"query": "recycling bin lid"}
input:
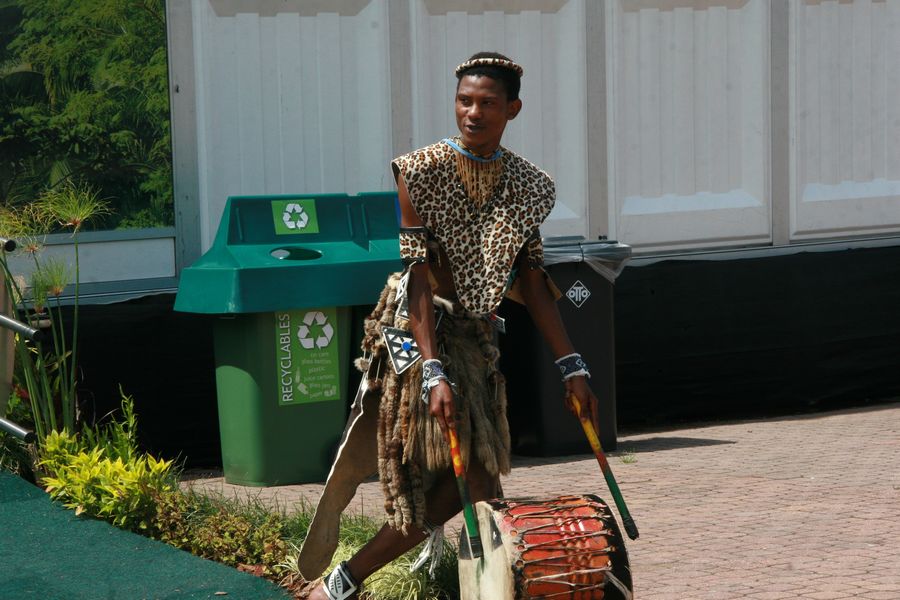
[(294, 251), (606, 257)]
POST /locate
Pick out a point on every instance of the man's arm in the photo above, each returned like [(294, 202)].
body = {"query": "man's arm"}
[(543, 310), (421, 314)]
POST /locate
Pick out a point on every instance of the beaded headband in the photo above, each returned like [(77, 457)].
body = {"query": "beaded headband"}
[(489, 62)]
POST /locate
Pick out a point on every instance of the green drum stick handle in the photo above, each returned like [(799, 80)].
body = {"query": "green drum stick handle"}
[(468, 512), (627, 521)]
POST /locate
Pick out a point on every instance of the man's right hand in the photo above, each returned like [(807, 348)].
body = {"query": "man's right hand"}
[(441, 406)]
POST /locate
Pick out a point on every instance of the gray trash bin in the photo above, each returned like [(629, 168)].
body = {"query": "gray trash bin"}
[(584, 271)]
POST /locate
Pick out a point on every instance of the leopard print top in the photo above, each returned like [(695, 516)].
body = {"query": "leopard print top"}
[(481, 244)]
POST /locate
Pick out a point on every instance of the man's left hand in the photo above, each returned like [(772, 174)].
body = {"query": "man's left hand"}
[(578, 386)]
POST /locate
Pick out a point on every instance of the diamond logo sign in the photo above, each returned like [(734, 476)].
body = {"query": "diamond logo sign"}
[(578, 293), (295, 216)]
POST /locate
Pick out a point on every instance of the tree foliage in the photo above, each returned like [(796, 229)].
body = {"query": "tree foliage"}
[(84, 99)]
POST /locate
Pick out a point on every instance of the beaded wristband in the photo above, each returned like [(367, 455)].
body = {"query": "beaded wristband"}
[(572, 365), (432, 374)]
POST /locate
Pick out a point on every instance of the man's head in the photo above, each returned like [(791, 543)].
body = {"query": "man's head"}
[(487, 97), (496, 66)]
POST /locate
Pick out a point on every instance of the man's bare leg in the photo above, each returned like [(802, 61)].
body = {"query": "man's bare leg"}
[(443, 503)]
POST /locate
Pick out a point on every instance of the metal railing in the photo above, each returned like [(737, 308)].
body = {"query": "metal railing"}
[(14, 430)]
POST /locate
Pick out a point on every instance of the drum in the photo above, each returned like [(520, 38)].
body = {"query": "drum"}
[(565, 548)]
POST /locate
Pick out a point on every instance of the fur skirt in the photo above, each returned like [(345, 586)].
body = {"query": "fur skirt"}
[(411, 446)]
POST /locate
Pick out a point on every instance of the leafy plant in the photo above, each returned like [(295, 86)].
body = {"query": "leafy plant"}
[(232, 533), (49, 373), (86, 480), (233, 539), (101, 472), (116, 437)]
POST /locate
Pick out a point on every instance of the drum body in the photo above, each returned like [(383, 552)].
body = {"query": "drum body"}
[(564, 548)]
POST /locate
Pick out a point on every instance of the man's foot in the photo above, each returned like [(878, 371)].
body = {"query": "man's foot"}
[(319, 593)]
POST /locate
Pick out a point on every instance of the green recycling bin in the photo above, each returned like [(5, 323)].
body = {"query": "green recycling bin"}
[(282, 276)]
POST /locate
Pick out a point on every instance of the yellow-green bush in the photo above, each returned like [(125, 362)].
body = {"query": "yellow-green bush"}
[(120, 491)]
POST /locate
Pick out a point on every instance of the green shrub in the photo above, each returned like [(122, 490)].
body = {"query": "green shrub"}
[(121, 491), (118, 436), (232, 539), (171, 523), (230, 532)]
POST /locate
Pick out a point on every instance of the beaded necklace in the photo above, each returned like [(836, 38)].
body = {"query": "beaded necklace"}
[(480, 175)]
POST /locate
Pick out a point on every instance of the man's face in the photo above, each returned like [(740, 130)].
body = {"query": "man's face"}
[(482, 112)]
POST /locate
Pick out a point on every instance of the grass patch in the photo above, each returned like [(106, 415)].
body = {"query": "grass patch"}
[(628, 457), (394, 581)]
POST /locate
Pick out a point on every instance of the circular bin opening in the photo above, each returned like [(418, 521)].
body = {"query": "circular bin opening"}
[(293, 253)]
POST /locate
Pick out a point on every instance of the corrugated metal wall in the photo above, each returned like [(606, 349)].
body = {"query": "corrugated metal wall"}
[(547, 39), (290, 100), (846, 115), (689, 126), (317, 96)]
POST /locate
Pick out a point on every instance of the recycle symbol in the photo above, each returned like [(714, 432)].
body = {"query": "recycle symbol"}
[(303, 332), (294, 216)]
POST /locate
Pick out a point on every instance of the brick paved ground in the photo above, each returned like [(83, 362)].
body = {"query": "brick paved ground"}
[(805, 507)]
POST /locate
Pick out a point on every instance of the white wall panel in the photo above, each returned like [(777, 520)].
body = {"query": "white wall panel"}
[(846, 118), (296, 96), (548, 39), (688, 118), (292, 97), (109, 256)]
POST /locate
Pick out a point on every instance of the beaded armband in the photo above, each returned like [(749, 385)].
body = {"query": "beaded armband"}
[(433, 374), (572, 365), (413, 245)]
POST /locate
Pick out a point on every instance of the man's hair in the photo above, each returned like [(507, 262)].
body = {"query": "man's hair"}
[(510, 80)]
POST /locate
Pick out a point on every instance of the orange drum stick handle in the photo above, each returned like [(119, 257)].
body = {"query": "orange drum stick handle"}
[(627, 521), (463, 486)]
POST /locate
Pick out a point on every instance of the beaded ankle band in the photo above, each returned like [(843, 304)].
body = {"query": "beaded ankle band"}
[(340, 585)]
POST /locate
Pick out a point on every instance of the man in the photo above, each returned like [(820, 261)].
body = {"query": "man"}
[(470, 213)]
